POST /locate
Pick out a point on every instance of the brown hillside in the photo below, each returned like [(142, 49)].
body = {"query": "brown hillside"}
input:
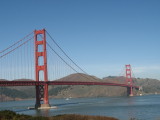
[(79, 77)]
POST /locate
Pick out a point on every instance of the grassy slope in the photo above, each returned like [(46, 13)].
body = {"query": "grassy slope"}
[(10, 115)]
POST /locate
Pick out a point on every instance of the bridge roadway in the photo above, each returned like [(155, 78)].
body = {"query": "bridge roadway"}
[(34, 83)]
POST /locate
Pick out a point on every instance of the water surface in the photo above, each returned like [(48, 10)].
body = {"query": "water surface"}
[(123, 108)]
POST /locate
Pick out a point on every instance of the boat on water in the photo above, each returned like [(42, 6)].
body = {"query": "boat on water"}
[(67, 98)]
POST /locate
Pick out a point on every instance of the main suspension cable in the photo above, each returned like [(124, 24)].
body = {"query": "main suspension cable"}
[(68, 64), (16, 43), (16, 47), (66, 54), (61, 58)]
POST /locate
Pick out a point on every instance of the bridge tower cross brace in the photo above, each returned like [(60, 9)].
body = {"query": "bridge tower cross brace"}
[(40, 52), (129, 81)]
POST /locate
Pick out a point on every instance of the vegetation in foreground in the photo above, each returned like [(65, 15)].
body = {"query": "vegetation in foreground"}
[(10, 115)]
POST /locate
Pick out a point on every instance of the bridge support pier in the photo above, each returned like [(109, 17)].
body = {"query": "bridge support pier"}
[(42, 96), (130, 91)]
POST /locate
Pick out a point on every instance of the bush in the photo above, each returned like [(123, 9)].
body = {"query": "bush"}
[(10, 115)]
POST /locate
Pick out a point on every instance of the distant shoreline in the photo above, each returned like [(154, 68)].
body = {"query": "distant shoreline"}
[(19, 99)]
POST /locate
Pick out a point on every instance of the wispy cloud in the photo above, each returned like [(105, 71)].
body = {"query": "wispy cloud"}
[(152, 71), (145, 69)]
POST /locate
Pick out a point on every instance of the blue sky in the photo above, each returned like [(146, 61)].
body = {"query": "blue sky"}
[(101, 36)]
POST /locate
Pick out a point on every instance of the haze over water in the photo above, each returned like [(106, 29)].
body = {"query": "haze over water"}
[(123, 108)]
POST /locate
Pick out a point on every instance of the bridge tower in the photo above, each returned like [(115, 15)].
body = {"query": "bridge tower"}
[(129, 81), (41, 65)]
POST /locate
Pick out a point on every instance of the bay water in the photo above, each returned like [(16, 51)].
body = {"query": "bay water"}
[(124, 108)]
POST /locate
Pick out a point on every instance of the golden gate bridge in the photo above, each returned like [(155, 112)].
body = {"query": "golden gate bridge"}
[(34, 61)]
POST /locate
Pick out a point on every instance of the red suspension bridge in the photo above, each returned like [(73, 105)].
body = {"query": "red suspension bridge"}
[(50, 64)]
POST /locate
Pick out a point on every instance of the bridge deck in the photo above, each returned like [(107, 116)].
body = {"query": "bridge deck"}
[(34, 83)]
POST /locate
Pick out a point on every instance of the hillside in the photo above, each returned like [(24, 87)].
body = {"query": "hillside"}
[(79, 77), (88, 91), (150, 86)]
